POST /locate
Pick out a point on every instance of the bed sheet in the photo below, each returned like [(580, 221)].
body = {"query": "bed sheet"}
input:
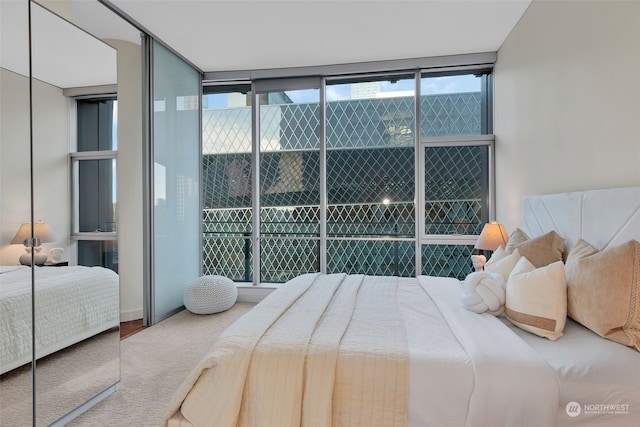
[(601, 376)]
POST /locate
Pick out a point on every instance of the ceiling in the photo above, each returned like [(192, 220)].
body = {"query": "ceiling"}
[(217, 35), (62, 54)]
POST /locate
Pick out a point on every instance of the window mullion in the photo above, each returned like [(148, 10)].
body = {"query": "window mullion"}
[(323, 178), (419, 178), (255, 185)]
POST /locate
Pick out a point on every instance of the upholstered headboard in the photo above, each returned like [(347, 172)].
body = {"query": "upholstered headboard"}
[(604, 218)]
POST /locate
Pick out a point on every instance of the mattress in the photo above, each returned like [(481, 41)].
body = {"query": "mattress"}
[(71, 304)]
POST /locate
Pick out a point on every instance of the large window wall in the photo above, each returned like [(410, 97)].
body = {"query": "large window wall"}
[(386, 174)]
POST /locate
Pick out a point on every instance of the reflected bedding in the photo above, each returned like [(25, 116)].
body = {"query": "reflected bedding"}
[(71, 304)]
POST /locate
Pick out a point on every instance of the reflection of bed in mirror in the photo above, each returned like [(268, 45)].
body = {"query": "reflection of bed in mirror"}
[(73, 304)]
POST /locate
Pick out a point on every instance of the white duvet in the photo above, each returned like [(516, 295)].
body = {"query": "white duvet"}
[(71, 304), (314, 353)]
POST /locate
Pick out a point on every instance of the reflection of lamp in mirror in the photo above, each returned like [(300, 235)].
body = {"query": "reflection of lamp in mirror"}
[(493, 235), (42, 234)]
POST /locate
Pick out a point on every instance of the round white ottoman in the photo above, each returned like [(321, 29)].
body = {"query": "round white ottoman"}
[(210, 294)]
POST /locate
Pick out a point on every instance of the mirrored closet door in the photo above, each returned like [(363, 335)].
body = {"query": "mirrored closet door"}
[(60, 127), (16, 400)]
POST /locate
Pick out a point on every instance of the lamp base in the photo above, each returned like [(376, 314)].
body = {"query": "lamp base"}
[(478, 262), (38, 258)]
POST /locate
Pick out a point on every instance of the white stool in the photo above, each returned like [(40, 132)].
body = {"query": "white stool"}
[(210, 294)]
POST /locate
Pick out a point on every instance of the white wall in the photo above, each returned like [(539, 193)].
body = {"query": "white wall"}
[(50, 159), (130, 221), (567, 102), (14, 162)]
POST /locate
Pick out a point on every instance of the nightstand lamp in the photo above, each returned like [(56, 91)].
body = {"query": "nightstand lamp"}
[(493, 235), (42, 234)]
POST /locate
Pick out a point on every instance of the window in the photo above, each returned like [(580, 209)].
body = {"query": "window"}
[(455, 169), (371, 175), (385, 174), (289, 184), (93, 162), (226, 188)]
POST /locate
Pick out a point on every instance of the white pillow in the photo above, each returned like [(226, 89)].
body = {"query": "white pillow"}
[(537, 298), (497, 255), (504, 264)]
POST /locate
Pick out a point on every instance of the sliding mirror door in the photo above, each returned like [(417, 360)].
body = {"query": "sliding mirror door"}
[(76, 307), (72, 317), (16, 403)]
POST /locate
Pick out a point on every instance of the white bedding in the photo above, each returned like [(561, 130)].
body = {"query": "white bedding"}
[(72, 303), (456, 378)]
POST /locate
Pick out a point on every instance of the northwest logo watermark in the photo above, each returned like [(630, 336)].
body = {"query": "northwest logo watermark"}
[(573, 409)]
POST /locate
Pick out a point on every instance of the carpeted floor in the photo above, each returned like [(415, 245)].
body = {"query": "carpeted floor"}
[(154, 362)]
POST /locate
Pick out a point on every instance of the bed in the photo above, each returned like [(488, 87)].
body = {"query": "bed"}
[(350, 350), (72, 304)]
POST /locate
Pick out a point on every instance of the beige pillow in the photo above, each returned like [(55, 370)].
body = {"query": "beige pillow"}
[(603, 290), (537, 298), (542, 250), (518, 236), (580, 250), (503, 264)]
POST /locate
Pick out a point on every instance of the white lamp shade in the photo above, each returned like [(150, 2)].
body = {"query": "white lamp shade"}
[(41, 231), (493, 236)]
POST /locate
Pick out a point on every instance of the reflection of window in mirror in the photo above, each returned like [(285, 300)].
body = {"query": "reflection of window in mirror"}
[(94, 178)]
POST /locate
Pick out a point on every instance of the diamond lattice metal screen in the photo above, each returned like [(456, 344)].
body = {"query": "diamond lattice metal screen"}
[(370, 158), (227, 249), (284, 259), (289, 189), (456, 179), (374, 257), (451, 114), (372, 220), (447, 260), (371, 123)]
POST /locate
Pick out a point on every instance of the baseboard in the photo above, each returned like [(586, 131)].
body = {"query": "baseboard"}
[(253, 294), (129, 315), (85, 406)]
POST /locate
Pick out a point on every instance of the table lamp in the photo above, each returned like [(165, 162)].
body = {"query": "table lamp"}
[(42, 234), (493, 235)]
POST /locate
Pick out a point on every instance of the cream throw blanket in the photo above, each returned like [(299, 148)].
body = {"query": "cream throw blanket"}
[(324, 350)]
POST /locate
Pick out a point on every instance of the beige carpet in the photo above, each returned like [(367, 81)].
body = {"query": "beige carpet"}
[(154, 362), (64, 380)]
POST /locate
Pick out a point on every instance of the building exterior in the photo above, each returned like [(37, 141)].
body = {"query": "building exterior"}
[(370, 184)]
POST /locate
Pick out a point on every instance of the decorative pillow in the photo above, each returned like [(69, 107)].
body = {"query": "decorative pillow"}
[(603, 290), (540, 251), (580, 250), (537, 298), (497, 255), (503, 265), (518, 236)]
